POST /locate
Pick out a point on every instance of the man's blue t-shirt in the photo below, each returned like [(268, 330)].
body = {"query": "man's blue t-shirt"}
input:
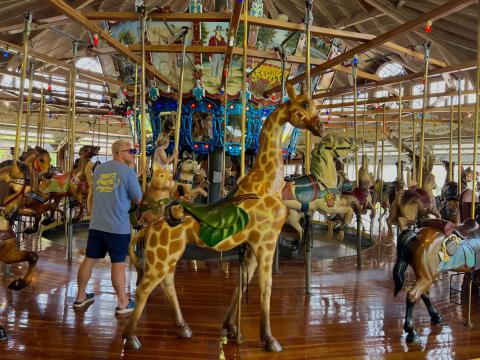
[(115, 186)]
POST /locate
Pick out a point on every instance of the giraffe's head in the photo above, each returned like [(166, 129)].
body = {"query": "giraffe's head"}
[(303, 112)]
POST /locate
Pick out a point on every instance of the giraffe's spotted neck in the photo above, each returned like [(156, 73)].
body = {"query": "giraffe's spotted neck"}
[(268, 166)]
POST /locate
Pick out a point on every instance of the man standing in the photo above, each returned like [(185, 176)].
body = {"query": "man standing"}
[(115, 187), (216, 60)]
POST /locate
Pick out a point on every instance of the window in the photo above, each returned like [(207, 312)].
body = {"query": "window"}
[(417, 90), (88, 90), (437, 87), (390, 69)]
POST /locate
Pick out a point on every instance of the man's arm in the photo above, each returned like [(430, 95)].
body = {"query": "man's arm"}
[(133, 187)]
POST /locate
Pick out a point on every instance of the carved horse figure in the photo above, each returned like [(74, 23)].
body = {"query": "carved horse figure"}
[(186, 171), (74, 184), (318, 191), (436, 247), (359, 199), (413, 204), (256, 221)]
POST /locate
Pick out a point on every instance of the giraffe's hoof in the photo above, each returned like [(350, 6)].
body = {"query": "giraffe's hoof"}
[(413, 338), (132, 343), (185, 332), (437, 319), (272, 345)]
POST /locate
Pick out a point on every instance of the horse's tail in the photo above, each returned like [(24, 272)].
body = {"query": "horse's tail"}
[(133, 256), (401, 264)]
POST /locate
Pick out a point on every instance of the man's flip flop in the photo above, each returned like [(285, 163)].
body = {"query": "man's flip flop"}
[(90, 298)]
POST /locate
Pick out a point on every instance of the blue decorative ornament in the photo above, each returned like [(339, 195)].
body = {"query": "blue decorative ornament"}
[(198, 92), (355, 61), (153, 93), (6, 53)]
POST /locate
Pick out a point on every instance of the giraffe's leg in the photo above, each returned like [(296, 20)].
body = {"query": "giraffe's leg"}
[(265, 258), (168, 286), (229, 325), (435, 316), (149, 282)]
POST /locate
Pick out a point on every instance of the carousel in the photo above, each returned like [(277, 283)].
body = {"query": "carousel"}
[(325, 150)]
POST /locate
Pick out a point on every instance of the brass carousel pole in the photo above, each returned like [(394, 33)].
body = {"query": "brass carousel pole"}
[(375, 149), (135, 104), (468, 322), (477, 115), (450, 152), (39, 119), (242, 150), (180, 95), (399, 160), (459, 136), (427, 47), (308, 146), (26, 36), (308, 79), (143, 125), (384, 124), (355, 136), (224, 152), (71, 145), (414, 151), (355, 115), (29, 104)]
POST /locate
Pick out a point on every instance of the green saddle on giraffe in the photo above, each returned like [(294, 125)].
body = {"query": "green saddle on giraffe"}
[(219, 220)]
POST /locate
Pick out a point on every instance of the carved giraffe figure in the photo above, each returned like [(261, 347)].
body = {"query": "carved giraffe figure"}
[(261, 189)]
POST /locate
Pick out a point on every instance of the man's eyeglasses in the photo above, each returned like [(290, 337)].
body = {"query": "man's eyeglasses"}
[(130, 151)]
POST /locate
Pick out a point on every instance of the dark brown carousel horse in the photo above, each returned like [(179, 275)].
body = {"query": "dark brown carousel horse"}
[(438, 246)]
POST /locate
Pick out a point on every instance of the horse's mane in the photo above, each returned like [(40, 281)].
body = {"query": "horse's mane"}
[(21, 165), (318, 163)]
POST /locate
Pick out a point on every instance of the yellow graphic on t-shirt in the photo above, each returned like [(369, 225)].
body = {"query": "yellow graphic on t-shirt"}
[(107, 182)]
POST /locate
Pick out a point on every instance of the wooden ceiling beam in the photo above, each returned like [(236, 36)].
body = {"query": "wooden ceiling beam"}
[(398, 79), (232, 34), (389, 99), (85, 74), (269, 55), (444, 10), (77, 16), (158, 16)]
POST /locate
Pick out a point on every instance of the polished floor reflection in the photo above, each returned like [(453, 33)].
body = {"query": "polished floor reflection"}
[(350, 314)]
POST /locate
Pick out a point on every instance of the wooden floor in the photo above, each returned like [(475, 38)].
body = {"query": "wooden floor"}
[(350, 314)]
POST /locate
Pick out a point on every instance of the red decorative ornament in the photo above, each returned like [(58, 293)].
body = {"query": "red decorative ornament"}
[(209, 106), (428, 26), (137, 146), (124, 92), (193, 106), (95, 39), (110, 113), (49, 87)]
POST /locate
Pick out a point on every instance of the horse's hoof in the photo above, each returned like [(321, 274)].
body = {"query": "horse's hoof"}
[(185, 332), (231, 332), (3, 334), (272, 345), (413, 338), (132, 343), (18, 284)]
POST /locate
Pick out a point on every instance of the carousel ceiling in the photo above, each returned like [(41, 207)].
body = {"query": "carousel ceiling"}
[(338, 27)]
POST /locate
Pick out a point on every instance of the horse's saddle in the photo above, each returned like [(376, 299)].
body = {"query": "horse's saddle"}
[(219, 220), (420, 193), (360, 194), (305, 189), (466, 230)]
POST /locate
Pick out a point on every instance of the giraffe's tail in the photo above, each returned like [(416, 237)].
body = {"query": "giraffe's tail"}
[(133, 256)]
